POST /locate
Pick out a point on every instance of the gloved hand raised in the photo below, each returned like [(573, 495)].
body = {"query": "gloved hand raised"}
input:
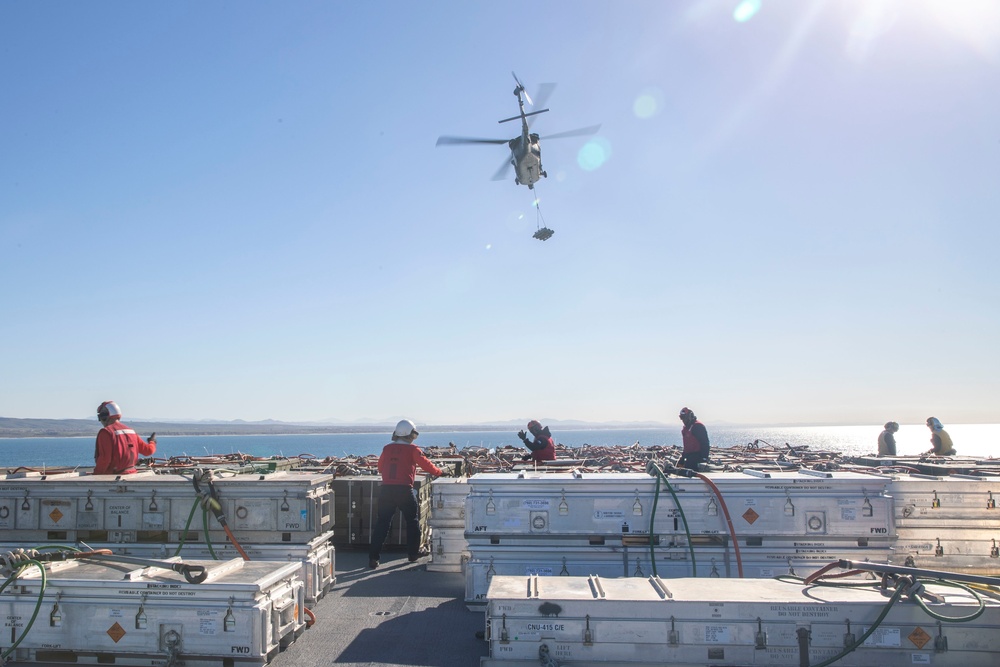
[(522, 435)]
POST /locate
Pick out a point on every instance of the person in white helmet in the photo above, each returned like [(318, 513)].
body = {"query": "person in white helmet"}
[(398, 467), (118, 447)]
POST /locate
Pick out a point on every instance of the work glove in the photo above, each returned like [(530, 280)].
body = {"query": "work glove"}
[(526, 457), (522, 435)]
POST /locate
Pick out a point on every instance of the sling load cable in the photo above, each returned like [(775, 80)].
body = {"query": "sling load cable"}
[(542, 232)]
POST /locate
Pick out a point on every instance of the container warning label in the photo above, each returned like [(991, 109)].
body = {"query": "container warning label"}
[(55, 515), (919, 637), (116, 632), (750, 516)]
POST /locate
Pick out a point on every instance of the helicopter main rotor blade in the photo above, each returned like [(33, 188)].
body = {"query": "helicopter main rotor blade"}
[(582, 132), (501, 174), (451, 141), (523, 89), (544, 93)]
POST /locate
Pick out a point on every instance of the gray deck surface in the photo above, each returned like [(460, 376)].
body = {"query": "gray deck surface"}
[(399, 614)]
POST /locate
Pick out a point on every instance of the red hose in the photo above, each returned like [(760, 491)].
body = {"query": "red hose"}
[(725, 511)]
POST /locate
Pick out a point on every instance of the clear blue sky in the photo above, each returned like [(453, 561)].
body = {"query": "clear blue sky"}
[(236, 210)]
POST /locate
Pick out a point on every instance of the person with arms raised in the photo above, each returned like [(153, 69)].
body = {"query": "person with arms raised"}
[(542, 446)]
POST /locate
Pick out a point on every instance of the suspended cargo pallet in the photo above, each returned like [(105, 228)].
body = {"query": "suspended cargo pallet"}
[(641, 622), (288, 507), (108, 613), (356, 511)]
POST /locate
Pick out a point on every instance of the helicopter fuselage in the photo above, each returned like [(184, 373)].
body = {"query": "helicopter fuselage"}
[(526, 158)]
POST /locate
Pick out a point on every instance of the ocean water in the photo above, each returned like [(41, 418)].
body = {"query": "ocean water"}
[(978, 440)]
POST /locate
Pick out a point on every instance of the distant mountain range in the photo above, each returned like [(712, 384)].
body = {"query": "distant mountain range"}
[(69, 428)]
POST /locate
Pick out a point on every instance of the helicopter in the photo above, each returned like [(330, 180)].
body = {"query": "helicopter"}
[(525, 151)]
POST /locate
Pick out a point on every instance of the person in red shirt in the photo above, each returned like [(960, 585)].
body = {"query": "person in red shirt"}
[(695, 438), (118, 447), (543, 447), (398, 467)]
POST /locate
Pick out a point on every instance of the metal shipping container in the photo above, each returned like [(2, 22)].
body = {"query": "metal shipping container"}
[(652, 621), (105, 613)]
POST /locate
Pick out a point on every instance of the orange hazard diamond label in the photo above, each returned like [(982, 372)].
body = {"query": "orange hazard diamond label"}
[(116, 632), (55, 515), (750, 516), (919, 637)]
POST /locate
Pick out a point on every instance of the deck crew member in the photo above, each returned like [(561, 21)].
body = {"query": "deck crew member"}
[(941, 444), (887, 439), (398, 467), (695, 438), (118, 447), (542, 446)]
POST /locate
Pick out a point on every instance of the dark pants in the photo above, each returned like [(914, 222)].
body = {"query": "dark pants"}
[(390, 498), (691, 461)]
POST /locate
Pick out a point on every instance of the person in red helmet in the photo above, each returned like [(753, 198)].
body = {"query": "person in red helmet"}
[(543, 447), (118, 447), (695, 438), (398, 466)]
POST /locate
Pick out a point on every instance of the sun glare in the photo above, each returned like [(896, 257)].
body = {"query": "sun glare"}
[(746, 10), (593, 154)]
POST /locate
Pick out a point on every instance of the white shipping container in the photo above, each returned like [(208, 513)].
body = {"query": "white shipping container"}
[(285, 506), (653, 621), (784, 504), (244, 612), (317, 558), (624, 562)]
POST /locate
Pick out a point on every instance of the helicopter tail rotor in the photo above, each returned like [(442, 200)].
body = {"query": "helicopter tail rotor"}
[(521, 90)]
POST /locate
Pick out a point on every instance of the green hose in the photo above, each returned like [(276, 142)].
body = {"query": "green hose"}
[(187, 525), (677, 502), (38, 603), (861, 640), (956, 619)]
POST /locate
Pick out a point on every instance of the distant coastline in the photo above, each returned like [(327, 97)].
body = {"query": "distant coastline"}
[(72, 428)]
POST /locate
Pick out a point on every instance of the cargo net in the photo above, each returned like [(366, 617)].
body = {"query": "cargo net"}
[(542, 233)]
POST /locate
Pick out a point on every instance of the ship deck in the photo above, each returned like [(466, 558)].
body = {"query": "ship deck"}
[(397, 615)]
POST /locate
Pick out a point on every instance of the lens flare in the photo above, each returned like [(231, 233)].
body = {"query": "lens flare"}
[(593, 154), (746, 10), (648, 103)]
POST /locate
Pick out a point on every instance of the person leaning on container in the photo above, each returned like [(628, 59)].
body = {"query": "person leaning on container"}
[(118, 447), (543, 447), (695, 438), (398, 467), (941, 444), (886, 439)]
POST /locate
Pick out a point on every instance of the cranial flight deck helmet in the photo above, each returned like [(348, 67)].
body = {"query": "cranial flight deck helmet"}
[(404, 429), (534, 426), (108, 410), (687, 415), (892, 427)]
